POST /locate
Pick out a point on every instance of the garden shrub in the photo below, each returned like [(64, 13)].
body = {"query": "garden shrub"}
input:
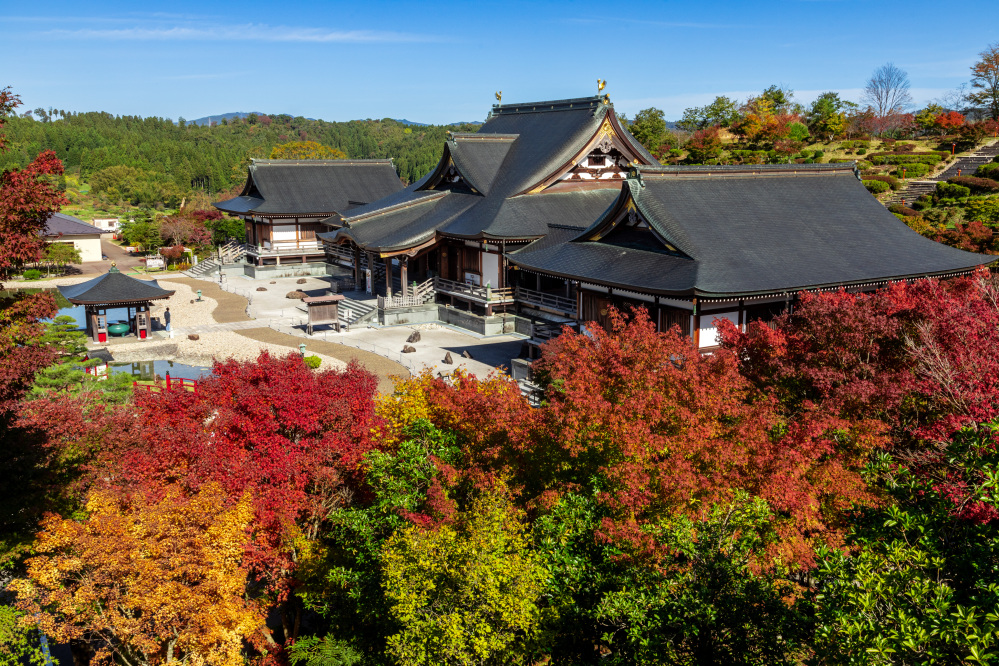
[(977, 185), (905, 211), (876, 186), (892, 182), (32, 274), (914, 170), (312, 361), (923, 202), (988, 171), (985, 209), (819, 154), (861, 151), (951, 191)]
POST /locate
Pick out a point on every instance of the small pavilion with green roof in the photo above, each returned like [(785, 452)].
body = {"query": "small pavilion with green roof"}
[(114, 289)]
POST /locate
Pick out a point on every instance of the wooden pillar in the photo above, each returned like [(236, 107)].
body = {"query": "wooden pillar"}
[(404, 274), (537, 281), (357, 266), (388, 277), (742, 315), (369, 285), (696, 328)]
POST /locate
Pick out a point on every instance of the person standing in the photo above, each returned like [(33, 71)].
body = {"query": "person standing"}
[(166, 318)]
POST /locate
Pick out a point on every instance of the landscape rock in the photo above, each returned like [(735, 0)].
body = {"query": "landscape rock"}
[(272, 282), (467, 354), (296, 294), (408, 349), (448, 359), (301, 281), (414, 337), (261, 288), (193, 336)]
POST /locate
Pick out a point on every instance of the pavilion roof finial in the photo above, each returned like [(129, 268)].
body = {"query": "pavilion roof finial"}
[(499, 96), (601, 84), (114, 267)]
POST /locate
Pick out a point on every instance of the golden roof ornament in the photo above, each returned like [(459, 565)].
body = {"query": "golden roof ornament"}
[(499, 96), (601, 84), (606, 99)]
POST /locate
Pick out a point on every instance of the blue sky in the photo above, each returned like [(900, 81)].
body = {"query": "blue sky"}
[(442, 61)]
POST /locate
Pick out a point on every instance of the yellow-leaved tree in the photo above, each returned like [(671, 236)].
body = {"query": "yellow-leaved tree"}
[(465, 594), (146, 581), (306, 150)]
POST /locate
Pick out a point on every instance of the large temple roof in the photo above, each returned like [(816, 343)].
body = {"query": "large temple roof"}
[(113, 288), (492, 184), (740, 231), (312, 187)]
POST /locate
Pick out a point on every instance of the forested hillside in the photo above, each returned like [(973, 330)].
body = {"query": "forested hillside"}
[(151, 161)]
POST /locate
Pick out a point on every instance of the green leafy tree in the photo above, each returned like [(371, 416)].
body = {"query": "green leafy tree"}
[(649, 127), (19, 645), (62, 254), (827, 115), (922, 587), (325, 651), (722, 112), (467, 593), (306, 150)]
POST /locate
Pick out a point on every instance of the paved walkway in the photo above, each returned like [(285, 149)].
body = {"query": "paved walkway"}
[(230, 315)]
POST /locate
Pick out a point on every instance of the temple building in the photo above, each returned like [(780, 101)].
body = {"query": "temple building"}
[(114, 290), (552, 212), (283, 200), (492, 192), (697, 243)]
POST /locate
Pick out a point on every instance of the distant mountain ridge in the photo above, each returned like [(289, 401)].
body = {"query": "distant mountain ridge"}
[(243, 114)]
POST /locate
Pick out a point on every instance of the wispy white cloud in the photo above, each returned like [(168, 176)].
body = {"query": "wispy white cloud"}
[(246, 32)]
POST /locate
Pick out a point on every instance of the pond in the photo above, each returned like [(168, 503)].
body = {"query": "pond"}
[(147, 370), (77, 312)]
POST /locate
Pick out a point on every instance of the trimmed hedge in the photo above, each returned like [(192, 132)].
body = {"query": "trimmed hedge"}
[(977, 185), (907, 158), (876, 186), (312, 361), (913, 170), (893, 183), (952, 191)]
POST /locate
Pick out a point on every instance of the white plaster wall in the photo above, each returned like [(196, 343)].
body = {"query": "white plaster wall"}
[(283, 232), (708, 332), (88, 246), (490, 269)]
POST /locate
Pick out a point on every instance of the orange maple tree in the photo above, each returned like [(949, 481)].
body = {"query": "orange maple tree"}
[(145, 581)]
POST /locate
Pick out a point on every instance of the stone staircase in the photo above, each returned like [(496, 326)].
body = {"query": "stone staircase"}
[(230, 253), (912, 191), (964, 166), (354, 312)]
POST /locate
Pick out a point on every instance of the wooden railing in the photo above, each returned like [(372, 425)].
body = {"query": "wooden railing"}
[(284, 247), (484, 294), (421, 294), (341, 253), (550, 301)]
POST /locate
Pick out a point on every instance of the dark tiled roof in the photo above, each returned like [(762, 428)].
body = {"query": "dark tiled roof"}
[(67, 225), (312, 187), (113, 287), (518, 147), (750, 231)]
